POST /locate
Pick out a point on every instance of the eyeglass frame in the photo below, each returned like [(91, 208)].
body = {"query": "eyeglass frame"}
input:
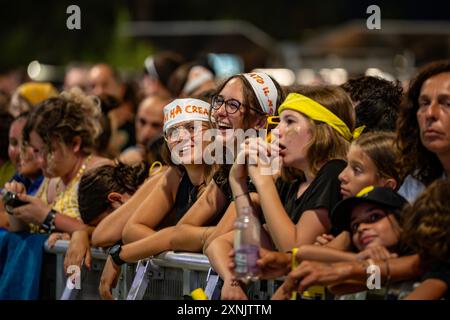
[(213, 98), (167, 134)]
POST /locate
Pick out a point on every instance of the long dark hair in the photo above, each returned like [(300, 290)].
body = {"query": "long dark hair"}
[(415, 159)]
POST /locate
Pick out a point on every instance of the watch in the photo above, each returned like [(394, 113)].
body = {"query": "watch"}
[(114, 252), (49, 223)]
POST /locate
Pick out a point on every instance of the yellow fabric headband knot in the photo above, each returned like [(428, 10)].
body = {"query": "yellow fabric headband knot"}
[(316, 111)]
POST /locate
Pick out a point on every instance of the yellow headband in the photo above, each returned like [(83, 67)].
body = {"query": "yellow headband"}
[(316, 111)]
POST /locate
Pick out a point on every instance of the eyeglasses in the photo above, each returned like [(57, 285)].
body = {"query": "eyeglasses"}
[(173, 134), (231, 105)]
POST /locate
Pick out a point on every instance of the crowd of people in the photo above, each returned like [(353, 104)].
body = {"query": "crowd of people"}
[(343, 179)]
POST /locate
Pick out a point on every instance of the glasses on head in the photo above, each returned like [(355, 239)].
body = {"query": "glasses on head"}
[(189, 129), (231, 105)]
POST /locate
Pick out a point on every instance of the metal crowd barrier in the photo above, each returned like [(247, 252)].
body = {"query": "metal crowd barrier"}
[(168, 275)]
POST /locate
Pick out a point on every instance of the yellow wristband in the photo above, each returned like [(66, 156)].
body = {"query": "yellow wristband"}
[(294, 264)]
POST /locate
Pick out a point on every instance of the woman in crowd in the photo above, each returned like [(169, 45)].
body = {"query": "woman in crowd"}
[(423, 130), (62, 132), (314, 134), (149, 229)]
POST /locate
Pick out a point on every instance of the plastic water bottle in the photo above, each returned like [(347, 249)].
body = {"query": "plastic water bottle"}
[(246, 245)]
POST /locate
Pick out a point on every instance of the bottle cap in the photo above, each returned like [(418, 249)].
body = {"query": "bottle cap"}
[(199, 294)]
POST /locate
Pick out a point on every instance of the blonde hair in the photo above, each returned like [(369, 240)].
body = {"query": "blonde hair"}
[(70, 114)]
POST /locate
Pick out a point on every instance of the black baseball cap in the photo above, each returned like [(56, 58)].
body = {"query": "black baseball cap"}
[(382, 196)]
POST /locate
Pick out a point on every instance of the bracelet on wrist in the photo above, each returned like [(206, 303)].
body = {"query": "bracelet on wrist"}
[(240, 195), (49, 223)]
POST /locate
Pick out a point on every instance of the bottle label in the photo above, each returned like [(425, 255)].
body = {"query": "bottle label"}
[(245, 260)]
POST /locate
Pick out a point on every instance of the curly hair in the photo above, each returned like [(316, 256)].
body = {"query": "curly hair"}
[(64, 117), (96, 184), (427, 223), (415, 159), (378, 101)]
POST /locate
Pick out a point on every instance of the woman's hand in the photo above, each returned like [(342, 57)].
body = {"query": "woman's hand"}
[(15, 187), (34, 212), (263, 159), (310, 273), (110, 276), (324, 239), (232, 290), (273, 264), (55, 236), (378, 253), (79, 250)]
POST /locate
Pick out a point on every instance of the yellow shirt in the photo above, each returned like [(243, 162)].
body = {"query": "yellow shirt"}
[(65, 202)]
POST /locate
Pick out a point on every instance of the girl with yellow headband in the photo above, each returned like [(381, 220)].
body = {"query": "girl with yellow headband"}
[(314, 133)]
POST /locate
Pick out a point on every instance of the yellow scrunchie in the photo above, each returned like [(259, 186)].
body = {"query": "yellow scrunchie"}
[(316, 111)]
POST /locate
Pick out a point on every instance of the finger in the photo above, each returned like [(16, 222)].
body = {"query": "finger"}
[(26, 198), (87, 259), (307, 282), (105, 292)]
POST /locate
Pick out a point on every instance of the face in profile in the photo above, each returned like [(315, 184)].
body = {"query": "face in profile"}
[(51, 160), (293, 135), (359, 173)]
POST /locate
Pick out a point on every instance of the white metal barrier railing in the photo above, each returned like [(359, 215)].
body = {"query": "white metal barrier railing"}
[(169, 275), (165, 267)]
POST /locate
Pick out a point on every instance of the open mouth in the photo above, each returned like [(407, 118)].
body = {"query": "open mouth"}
[(282, 152), (224, 126)]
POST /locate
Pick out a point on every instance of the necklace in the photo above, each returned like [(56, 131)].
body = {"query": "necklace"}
[(60, 193)]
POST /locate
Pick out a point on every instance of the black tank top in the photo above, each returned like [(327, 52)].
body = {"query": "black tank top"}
[(186, 196)]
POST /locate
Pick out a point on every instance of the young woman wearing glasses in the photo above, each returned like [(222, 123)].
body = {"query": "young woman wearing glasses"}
[(243, 101)]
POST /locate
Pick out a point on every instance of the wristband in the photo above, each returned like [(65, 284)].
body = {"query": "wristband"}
[(49, 223)]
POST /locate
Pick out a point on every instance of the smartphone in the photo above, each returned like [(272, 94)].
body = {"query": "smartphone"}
[(11, 201)]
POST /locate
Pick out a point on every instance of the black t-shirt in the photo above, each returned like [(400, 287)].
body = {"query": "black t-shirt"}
[(439, 271), (323, 192)]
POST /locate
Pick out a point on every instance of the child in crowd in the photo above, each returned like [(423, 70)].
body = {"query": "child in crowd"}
[(370, 161), (373, 218)]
